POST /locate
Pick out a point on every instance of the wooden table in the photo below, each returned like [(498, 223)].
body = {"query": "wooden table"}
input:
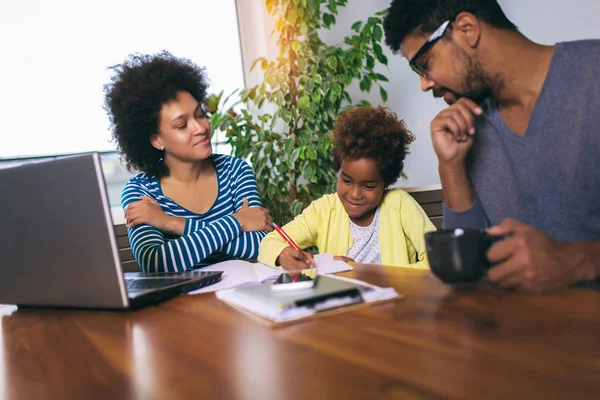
[(436, 343)]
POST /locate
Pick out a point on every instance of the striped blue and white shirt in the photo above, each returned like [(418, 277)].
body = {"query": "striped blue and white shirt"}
[(208, 238)]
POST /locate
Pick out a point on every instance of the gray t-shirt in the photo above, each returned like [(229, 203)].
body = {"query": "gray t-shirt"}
[(366, 242), (550, 178)]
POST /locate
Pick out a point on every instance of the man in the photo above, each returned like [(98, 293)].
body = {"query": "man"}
[(518, 147)]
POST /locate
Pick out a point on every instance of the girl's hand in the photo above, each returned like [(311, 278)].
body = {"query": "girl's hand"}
[(292, 260)]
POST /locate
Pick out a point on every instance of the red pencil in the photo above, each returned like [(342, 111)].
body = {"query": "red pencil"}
[(287, 238)]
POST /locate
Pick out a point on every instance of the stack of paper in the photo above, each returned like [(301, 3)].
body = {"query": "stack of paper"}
[(238, 272)]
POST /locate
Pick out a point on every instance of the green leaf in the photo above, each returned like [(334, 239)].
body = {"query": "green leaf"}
[(370, 62), (285, 116), (332, 6), (332, 97), (377, 33), (277, 97), (347, 97), (356, 26), (313, 109), (308, 171), (366, 32), (328, 19), (332, 63), (316, 96), (383, 93), (289, 145), (268, 148), (365, 84), (337, 89), (378, 50), (311, 153), (295, 155), (382, 78), (264, 118), (322, 152), (303, 102)]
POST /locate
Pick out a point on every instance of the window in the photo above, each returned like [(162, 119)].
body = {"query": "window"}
[(56, 54)]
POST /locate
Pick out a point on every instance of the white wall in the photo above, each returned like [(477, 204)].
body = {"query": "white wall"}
[(551, 21), (545, 21), (54, 56), (255, 27)]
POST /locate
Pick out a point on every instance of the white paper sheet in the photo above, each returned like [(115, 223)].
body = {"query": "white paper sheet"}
[(238, 272), (327, 265), (235, 273)]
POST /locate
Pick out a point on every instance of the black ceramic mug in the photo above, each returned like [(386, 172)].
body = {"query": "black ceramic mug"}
[(458, 256)]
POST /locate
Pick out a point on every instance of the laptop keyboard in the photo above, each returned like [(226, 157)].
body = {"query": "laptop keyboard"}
[(152, 283)]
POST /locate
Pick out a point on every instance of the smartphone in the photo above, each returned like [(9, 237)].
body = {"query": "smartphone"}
[(295, 280)]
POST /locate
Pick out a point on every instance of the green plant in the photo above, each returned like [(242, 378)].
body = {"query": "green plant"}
[(288, 136)]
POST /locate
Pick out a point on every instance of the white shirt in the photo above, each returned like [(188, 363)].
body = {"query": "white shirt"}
[(366, 242)]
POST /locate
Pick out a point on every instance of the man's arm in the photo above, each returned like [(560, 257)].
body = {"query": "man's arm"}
[(529, 260), (452, 135), (474, 217), (586, 256), (457, 193)]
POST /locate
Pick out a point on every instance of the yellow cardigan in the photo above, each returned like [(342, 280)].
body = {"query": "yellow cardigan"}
[(325, 224)]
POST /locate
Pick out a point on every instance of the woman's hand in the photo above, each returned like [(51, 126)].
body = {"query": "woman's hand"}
[(147, 211), (253, 219), (292, 260)]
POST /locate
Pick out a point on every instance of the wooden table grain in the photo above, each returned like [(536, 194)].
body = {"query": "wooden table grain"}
[(436, 343)]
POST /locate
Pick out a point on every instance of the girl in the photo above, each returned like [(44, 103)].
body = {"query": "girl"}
[(364, 221)]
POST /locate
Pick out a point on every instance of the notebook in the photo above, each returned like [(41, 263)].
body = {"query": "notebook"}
[(329, 293), (239, 272)]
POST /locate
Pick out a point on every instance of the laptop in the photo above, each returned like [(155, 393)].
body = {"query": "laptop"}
[(58, 246)]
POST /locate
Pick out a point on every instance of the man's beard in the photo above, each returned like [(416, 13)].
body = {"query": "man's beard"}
[(476, 83)]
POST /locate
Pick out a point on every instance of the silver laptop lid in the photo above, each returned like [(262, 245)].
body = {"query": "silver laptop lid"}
[(58, 245)]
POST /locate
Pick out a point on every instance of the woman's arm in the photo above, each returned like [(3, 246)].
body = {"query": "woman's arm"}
[(243, 187), (154, 254)]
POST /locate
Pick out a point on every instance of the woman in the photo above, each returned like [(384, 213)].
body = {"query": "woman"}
[(187, 206)]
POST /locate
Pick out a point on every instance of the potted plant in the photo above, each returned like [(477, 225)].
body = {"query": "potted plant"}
[(287, 138)]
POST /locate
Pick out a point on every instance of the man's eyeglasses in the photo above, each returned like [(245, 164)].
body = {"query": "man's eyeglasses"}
[(435, 36)]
